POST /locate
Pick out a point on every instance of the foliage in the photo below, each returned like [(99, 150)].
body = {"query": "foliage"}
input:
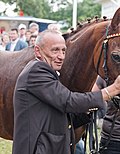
[(36, 8), (64, 14), (46, 9), (88, 9)]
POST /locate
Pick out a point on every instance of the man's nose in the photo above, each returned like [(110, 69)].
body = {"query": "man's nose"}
[(61, 54)]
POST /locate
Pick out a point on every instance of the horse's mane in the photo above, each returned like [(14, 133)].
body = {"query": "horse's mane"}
[(82, 26)]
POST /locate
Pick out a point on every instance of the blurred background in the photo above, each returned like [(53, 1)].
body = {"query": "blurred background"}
[(66, 12)]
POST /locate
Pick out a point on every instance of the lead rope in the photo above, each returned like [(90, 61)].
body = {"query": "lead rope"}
[(93, 139), (91, 128)]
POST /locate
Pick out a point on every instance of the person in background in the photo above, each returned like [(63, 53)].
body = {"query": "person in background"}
[(22, 31), (43, 106), (32, 40), (80, 147), (15, 43), (28, 34), (34, 28), (4, 41), (55, 27)]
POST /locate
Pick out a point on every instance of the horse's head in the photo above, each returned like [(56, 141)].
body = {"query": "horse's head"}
[(114, 42), (108, 63)]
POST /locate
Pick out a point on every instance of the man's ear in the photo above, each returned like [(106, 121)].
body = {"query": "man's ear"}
[(37, 52)]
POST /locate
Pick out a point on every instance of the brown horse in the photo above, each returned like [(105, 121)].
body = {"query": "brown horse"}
[(83, 59), (84, 49)]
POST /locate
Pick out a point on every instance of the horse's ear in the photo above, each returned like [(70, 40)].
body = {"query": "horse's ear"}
[(116, 19)]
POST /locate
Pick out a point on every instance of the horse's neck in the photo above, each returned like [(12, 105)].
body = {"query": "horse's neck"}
[(78, 72)]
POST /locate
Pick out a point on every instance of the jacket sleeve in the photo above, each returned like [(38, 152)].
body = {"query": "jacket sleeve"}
[(43, 84)]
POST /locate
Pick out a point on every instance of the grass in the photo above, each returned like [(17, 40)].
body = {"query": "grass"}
[(5, 146)]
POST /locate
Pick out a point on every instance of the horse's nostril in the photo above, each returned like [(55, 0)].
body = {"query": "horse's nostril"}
[(116, 57)]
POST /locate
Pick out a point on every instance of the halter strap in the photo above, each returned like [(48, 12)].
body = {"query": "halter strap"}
[(113, 35), (104, 50)]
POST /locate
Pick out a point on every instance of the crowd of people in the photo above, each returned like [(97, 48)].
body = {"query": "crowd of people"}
[(19, 37)]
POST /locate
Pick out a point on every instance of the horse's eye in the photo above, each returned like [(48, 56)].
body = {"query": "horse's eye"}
[(116, 57)]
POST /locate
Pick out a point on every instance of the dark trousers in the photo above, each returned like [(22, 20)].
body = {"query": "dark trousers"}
[(112, 148)]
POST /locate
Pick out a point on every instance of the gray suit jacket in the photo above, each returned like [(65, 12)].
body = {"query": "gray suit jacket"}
[(41, 104), (19, 46)]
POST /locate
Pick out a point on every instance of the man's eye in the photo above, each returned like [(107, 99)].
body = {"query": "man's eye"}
[(56, 49), (64, 51)]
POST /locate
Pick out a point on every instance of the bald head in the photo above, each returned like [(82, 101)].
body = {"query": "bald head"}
[(47, 35)]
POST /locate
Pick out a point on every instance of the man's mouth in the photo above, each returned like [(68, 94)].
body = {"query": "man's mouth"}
[(59, 63)]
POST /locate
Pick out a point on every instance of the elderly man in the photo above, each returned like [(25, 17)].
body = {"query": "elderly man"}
[(34, 28), (43, 106)]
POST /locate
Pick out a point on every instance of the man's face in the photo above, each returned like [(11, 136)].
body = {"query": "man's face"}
[(13, 35), (22, 31), (28, 34), (33, 29), (5, 39), (53, 51), (32, 41)]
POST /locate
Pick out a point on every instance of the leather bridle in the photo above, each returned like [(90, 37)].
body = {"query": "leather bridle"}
[(104, 51)]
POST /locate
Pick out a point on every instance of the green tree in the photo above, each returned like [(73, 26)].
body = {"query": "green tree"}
[(85, 9), (45, 9), (36, 8), (88, 8)]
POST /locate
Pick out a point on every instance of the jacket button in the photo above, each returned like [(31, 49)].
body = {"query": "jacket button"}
[(69, 126), (71, 144)]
